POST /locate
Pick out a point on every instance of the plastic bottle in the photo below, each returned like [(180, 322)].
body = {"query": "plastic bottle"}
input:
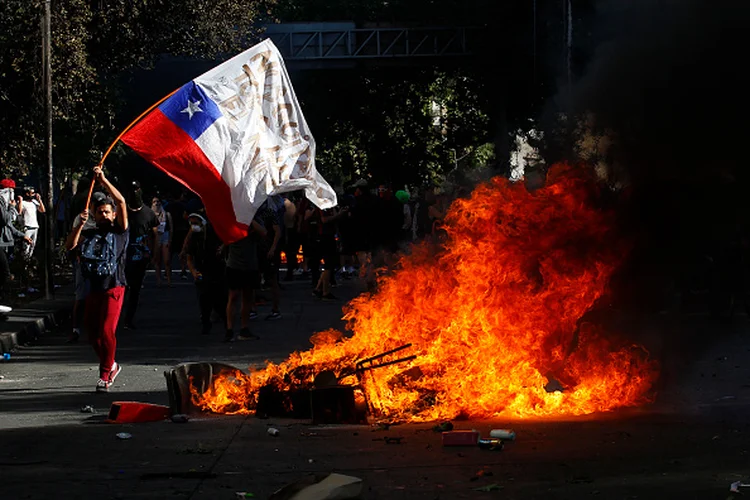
[(504, 434)]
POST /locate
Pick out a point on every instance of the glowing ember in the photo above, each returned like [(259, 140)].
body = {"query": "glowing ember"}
[(490, 316)]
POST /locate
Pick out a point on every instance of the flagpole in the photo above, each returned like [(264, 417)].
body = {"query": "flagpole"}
[(117, 139)]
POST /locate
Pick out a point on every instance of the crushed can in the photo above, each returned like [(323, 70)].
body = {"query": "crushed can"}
[(491, 444)]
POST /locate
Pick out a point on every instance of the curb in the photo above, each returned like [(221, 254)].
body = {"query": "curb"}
[(26, 324)]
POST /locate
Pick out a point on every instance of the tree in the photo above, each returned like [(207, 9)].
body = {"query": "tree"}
[(94, 45), (403, 127)]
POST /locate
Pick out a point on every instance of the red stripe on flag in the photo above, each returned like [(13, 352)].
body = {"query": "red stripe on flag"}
[(158, 140)]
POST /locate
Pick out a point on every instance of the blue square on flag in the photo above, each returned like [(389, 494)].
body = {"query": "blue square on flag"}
[(191, 110)]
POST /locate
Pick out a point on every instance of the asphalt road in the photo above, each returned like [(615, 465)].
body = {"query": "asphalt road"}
[(692, 444)]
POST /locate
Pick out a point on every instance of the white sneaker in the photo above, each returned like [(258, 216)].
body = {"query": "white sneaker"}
[(5, 309)]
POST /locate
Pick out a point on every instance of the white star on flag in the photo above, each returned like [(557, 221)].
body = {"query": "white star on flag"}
[(192, 108)]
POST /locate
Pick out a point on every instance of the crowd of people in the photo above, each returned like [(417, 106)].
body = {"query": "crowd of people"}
[(19, 229), (118, 237)]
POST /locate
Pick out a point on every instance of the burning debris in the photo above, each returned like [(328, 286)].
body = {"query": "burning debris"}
[(490, 319)]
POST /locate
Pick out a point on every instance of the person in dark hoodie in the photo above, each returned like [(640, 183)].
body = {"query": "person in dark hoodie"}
[(143, 228), (206, 264), (8, 235)]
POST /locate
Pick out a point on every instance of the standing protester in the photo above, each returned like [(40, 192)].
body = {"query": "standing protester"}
[(324, 247), (243, 278), (31, 205), (180, 229), (163, 241), (8, 236), (291, 239), (102, 253), (207, 267), (143, 226), (80, 284), (271, 216)]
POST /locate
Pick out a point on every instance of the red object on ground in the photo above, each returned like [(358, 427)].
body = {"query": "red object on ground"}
[(126, 412), (460, 438)]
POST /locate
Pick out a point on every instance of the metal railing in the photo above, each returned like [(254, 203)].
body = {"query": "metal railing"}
[(372, 43)]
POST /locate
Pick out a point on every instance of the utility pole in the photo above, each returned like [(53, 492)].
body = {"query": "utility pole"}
[(49, 286)]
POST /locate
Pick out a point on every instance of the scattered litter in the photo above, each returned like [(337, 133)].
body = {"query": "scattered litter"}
[(481, 473), (460, 438), (243, 494), (273, 431), (21, 295), (735, 486), (443, 427), (180, 418), (491, 444), (489, 487), (2, 377), (122, 412), (310, 460), (6, 356), (321, 487), (88, 409), (504, 434), (156, 369), (124, 435)]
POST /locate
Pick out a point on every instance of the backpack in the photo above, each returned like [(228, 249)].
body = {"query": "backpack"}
[(138, 250), (98, 256)]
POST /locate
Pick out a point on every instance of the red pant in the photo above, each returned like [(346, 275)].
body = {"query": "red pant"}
[(101, 316)]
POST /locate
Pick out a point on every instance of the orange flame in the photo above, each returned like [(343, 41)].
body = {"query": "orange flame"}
[(300, 256), (492, 316)]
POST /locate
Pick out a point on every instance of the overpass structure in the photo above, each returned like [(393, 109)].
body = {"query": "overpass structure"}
[(320, 42)]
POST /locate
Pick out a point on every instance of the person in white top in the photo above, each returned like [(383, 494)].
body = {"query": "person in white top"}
[(28, 209)]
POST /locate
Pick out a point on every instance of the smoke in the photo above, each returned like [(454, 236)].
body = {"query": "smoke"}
[(667, 79)]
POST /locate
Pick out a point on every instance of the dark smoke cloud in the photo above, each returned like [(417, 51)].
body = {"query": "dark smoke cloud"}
[(670, 77)]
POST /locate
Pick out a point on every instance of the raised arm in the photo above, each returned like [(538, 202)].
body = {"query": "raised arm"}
[(38, 199), (72, 241), (122, 207)]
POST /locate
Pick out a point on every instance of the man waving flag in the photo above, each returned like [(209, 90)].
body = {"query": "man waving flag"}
[(235, 135)]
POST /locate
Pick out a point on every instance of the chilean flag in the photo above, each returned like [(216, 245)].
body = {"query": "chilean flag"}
[(235, 135)]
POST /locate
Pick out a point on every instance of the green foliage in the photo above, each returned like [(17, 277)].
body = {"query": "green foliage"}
[(94, 44), (401, 127)]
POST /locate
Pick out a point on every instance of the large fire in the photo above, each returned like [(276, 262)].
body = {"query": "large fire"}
[(492, 315)]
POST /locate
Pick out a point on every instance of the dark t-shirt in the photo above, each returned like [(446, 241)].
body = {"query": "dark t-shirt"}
[(203, 248), (121, 243), (242, 255), (328, 229), (269, 217), (141, 224), (177, 210)]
